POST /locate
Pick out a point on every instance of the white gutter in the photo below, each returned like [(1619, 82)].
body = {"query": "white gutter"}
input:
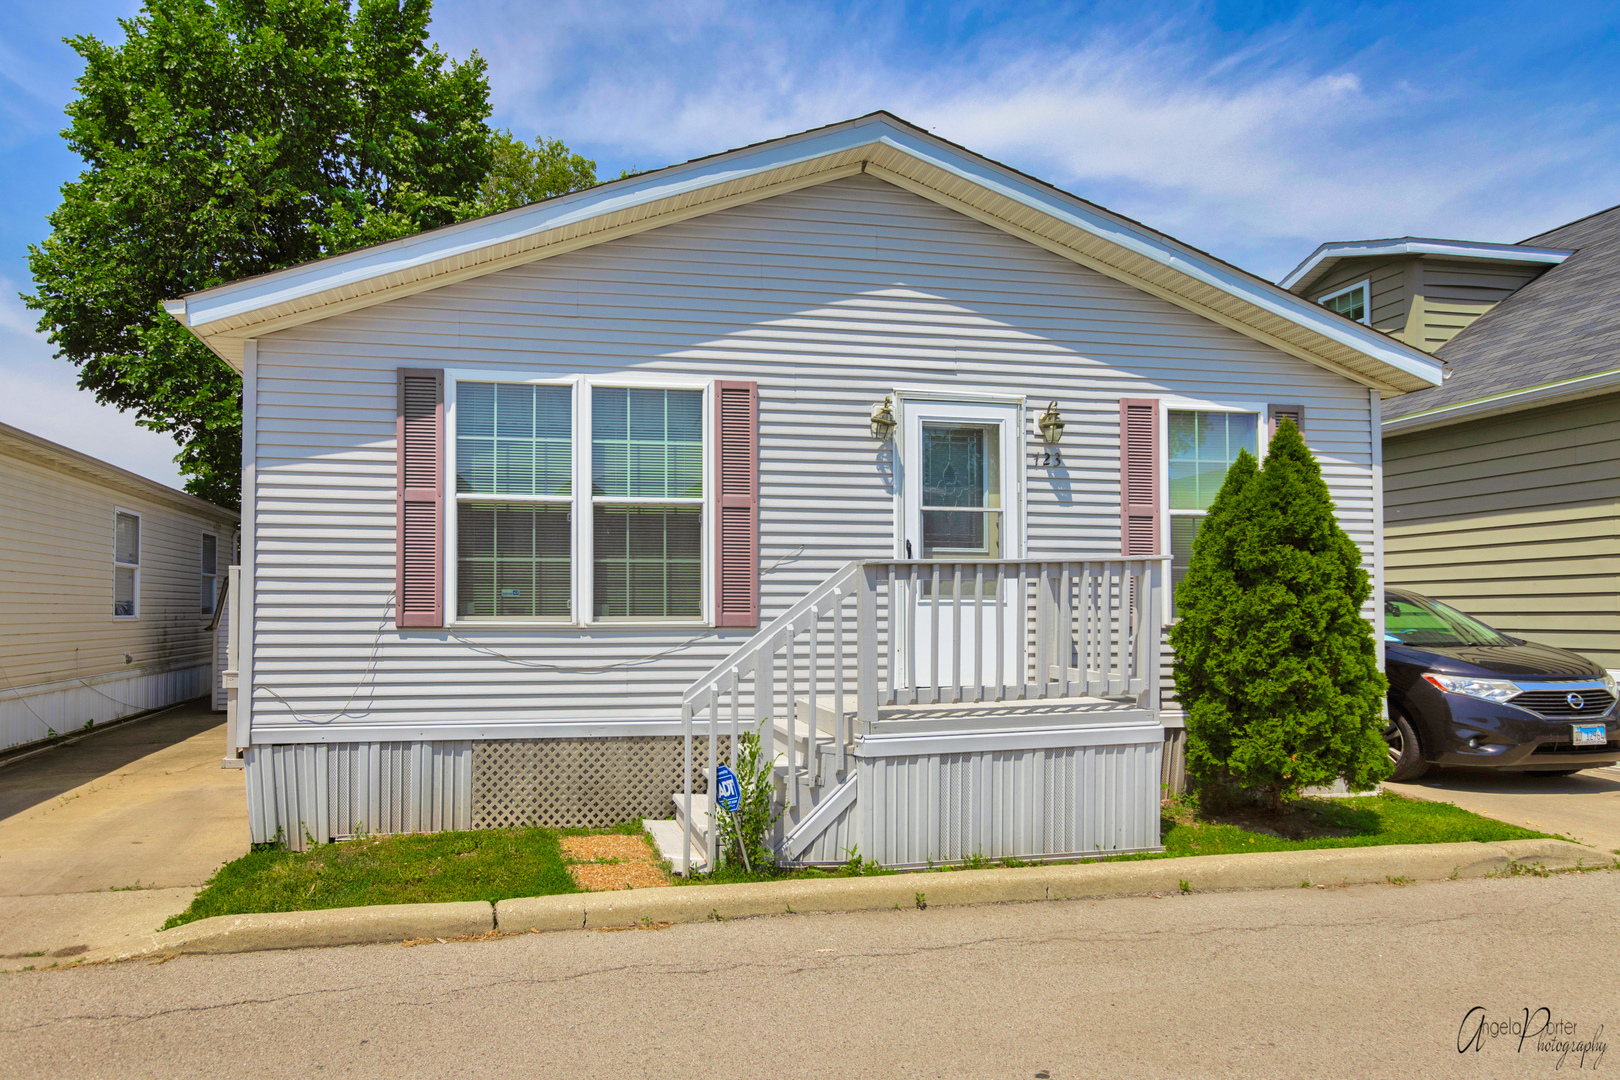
[(1552, 393), (1415, 245)]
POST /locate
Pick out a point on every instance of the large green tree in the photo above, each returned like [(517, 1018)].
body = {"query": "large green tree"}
[(1274, 664), (224, 138)]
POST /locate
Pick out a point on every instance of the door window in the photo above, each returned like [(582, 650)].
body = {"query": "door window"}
[(961, 491)]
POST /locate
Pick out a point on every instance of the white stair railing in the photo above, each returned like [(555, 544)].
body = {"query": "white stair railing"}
[(898, 632)]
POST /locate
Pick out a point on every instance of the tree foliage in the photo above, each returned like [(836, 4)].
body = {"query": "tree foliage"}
[(1275, 666), (225, 138), (521, 174)]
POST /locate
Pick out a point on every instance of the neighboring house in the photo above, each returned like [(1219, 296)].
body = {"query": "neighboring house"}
[(543, 506), (108, 584), (1502, 485)]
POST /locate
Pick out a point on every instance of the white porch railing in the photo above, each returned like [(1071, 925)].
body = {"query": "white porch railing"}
[(900, 632)]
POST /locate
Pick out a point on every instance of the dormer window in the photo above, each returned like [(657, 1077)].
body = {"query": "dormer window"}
[(1351, 302)]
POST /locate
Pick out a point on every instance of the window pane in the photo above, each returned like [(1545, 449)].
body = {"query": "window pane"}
[(961, 532), (1183, 531), (960, 465), (127, 540), (647, 444), (1352, 304), (512, 561), (123, 591), (514, 439), (1203, 446), (649, 562), (209, 558)]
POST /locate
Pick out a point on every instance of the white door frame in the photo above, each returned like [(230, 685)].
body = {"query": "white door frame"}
[(914, 406)]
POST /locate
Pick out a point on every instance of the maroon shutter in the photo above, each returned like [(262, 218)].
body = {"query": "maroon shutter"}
[(419, 437), (1139, 476), (737, 543), (1296, 413)]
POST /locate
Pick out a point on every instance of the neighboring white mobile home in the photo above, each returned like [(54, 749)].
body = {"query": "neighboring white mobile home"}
[(539, 506), (108, 585)]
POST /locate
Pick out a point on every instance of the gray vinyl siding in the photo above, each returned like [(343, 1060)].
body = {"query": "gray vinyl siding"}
[(1455, 293), (830, 298), (1516, 520), (1388, 278)]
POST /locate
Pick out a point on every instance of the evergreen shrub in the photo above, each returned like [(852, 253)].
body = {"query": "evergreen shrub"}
[(1275, 667)]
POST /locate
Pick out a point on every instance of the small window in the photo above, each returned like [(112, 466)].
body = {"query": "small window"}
[(210, 573), (1351, 302), (126, 565), (1203, 446)]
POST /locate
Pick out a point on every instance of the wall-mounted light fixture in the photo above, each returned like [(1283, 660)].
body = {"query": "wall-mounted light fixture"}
[(1051, 425), (883, 423)]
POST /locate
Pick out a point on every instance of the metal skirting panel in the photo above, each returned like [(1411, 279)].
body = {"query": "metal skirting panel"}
[(839, 842), (1173, 775), (312, 792), (582, 782), (31, 713), (1001, 804)]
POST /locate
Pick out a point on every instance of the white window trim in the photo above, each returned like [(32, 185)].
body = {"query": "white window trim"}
[(581, 503), (1366, 303), (1170, 404), (140, 544), (209, 614)]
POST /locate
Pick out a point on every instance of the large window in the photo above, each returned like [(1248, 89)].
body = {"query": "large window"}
[(1202, 447), (531, 492), (126, 565), (1351, 302), (647, 495)]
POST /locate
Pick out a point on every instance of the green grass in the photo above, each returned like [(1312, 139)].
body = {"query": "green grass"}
[(489, 864), (498, 864)]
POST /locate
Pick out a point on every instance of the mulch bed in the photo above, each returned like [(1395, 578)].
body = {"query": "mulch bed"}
[(599, 863)]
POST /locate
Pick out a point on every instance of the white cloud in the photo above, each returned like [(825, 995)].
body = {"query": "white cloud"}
[(1257, 155), (42, 397)]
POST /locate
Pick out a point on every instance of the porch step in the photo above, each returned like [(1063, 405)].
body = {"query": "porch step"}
[(667, 837)]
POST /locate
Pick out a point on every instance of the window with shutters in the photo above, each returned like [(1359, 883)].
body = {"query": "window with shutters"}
[(1202, 446), (578, 501), (126, 565)]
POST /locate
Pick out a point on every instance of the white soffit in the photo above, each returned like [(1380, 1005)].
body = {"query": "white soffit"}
[(1325, 257), (880, 144)]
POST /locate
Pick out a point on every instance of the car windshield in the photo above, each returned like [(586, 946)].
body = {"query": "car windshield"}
[(1419, 621)]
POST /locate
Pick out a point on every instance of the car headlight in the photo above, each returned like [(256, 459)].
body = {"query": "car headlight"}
[(1489, 689), (1609, 684)]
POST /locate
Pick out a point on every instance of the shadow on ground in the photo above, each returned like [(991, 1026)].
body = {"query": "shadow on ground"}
[(32, 780)]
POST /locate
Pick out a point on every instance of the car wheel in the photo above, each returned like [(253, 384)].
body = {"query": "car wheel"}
[(1404, 753)]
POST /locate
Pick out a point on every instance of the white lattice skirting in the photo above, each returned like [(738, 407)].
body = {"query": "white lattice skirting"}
[(318, 791)]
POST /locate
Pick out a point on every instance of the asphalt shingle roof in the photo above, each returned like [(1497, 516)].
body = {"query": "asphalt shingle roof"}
[(1562, 325)]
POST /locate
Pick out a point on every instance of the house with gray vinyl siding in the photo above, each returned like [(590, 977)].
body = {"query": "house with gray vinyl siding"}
[(1502, 485), (854, 438)]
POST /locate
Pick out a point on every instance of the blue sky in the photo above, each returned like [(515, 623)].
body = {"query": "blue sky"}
[(1252, 130)]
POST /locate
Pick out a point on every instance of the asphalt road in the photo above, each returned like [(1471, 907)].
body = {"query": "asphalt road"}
[(1352, 982)]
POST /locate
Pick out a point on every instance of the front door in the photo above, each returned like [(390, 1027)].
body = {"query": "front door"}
[(960, 490)]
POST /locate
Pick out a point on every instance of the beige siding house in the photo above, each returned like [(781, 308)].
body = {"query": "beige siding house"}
[(107, 589), (1502, 485), (854, 436)]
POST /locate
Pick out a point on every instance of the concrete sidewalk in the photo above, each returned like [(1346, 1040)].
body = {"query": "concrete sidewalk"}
[(103, 839), (1584, 807)]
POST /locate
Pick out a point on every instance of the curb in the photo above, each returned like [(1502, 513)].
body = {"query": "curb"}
[(698, 903)]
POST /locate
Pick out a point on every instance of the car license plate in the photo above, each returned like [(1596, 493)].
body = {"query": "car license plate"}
[(1589, 734)]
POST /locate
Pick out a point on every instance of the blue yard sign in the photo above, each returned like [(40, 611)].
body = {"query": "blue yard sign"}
[(726, 789)]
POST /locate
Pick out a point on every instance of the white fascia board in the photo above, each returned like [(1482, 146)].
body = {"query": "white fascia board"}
[(1413, 245), (267, 290), (1529, 397), (228, 301)]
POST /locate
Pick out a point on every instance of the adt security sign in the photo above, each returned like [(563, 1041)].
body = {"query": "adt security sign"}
[(726, 789)]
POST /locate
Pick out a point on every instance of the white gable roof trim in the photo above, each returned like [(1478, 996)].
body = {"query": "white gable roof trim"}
[(229, 315), (1323, 258)]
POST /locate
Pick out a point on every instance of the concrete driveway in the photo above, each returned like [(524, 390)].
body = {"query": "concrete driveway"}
[(107, 836), (1584, 807)]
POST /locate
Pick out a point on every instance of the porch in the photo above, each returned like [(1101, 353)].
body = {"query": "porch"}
[(927, 711)]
